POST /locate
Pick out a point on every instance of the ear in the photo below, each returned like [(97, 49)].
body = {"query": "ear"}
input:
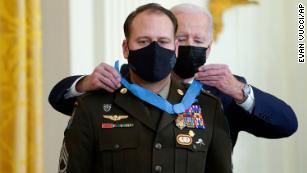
[(176, 47), (125, 49), (208, 50)]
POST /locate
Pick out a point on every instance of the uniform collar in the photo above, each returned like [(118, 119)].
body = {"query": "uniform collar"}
[(136, 107), (165, 90)]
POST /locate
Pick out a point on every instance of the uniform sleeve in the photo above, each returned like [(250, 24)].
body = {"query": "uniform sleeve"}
[(220, 149), (57, 96), (78, 145)]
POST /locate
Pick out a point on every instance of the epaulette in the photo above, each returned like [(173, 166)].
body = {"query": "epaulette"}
[(203, 91), (207, 92)]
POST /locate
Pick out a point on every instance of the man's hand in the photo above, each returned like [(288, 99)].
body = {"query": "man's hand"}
[(220, 77), (104, 77)]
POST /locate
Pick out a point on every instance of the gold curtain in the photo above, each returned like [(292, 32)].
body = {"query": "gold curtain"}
[(218, 7), (21, 129)]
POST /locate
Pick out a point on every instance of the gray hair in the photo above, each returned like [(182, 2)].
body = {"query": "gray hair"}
[(194, 9)]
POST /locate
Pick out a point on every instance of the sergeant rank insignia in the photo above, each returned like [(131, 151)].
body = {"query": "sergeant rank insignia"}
[(191, 118)]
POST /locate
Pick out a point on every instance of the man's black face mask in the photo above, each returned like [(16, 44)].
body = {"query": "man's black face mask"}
[(152, 63), (190, 58)]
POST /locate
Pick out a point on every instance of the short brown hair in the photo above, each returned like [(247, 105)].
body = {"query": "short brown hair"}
[(151, 7)]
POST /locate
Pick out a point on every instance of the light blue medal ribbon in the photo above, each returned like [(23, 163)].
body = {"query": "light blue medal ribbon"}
[(159, 102)]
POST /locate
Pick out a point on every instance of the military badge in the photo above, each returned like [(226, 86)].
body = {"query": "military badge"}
[(184, 139), (200, 141), (191, 118), (191, 133), (180, 122), (111, 125), (115, 117), (107, 107)]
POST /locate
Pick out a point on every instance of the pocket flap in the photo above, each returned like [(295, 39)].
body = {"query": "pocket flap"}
[(117, 139)]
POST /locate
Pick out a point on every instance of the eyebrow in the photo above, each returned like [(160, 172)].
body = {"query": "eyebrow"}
[(142, 37), (167, 38), (198, 37), (181, 35), (149, 38), (204, 38)]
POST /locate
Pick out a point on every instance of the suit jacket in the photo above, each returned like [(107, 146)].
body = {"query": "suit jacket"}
[(271, 117), (136, 143)]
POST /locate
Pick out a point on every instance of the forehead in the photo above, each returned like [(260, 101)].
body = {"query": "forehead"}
[(149, 23), (193, 24)]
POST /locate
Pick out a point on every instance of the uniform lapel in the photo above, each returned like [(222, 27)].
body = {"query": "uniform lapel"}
[(135, 107), (173, 97)]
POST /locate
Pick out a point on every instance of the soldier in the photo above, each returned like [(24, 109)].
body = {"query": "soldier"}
[(117, 132), (246, 107)]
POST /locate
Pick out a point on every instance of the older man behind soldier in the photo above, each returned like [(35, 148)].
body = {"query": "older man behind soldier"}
[(117, 132)]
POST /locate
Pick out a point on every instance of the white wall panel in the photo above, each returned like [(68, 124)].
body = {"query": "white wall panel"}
[(81, 27)]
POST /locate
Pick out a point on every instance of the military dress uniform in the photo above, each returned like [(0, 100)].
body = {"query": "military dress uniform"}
[(119, 133)]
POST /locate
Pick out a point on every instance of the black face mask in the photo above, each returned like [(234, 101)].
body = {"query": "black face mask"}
[(189, 59), (152, 63)]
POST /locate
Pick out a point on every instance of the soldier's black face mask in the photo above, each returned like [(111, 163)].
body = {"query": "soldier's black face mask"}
[(190, 58), (152, 63)]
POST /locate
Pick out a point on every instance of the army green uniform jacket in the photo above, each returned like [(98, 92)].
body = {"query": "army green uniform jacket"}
[(119, 133)]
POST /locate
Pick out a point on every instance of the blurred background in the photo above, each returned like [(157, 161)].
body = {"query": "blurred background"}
[(257, 41)]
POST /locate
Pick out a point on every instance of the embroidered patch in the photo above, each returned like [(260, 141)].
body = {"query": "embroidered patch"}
[(63, 159)]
